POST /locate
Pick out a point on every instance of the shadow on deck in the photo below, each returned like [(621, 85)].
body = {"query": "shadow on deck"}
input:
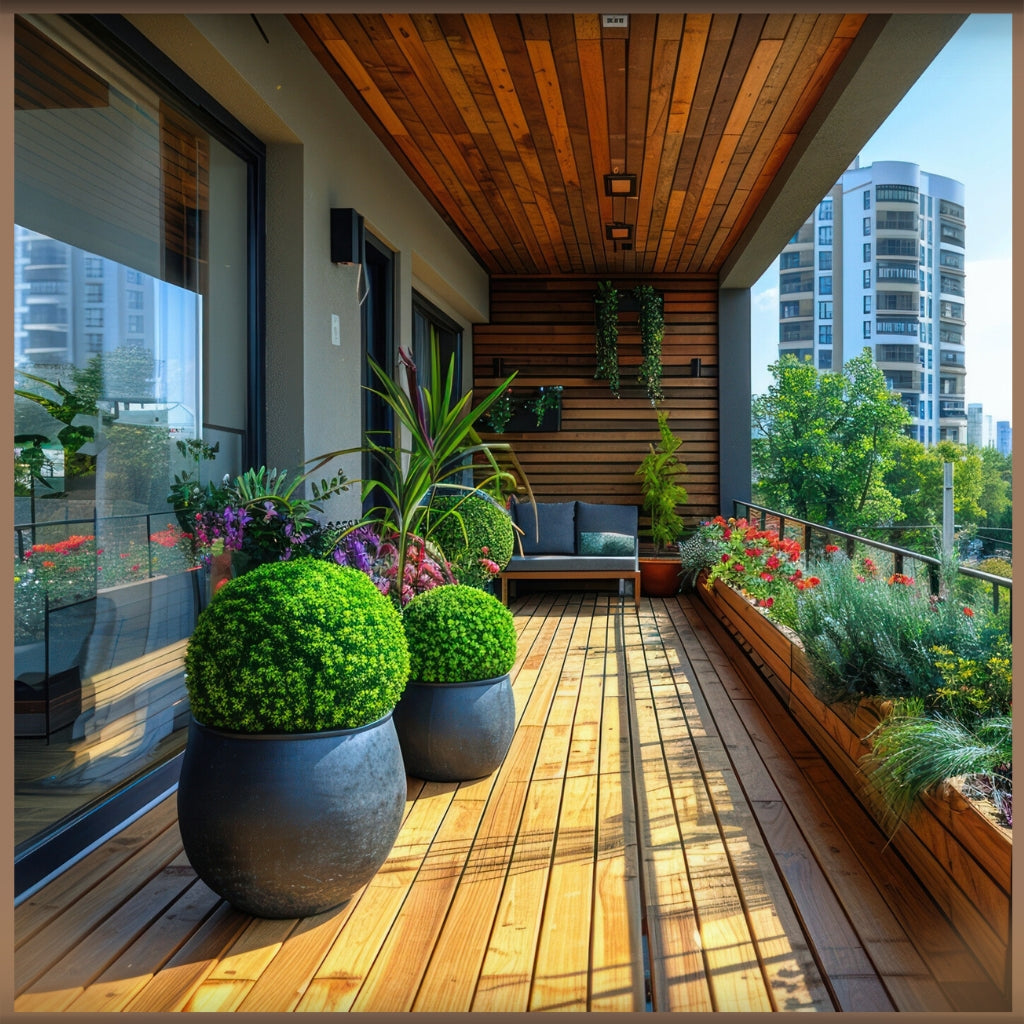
[(655, 839)]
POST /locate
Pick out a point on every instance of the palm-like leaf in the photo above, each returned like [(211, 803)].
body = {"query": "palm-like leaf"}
[(442, 440)]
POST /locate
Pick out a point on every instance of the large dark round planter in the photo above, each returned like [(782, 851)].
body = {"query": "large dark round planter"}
[(453, 732), (290, 825), (659, 577)]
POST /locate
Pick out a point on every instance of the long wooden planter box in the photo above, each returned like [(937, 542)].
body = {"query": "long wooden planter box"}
[(961, 856)]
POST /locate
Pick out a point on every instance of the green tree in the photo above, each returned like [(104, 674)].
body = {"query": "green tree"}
[(823, 443), (981, 489), (996, 489)]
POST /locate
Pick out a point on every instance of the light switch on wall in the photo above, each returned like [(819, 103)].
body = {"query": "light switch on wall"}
[(335, 329)]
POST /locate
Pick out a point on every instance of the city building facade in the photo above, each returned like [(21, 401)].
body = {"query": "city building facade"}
[(880, 264), (1004, 437)]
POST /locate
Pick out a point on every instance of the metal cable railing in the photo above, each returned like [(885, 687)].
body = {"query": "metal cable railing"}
[(814, 536)]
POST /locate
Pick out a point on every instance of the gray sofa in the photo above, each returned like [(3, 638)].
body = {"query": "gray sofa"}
[(576, 540)]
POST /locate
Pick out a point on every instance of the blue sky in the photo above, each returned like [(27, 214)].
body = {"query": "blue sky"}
[(955, 121)]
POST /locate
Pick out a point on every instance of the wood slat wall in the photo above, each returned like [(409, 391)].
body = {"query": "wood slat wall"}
[(544, 329)]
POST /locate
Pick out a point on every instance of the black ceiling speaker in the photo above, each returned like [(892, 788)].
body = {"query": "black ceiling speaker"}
[(346, 236)]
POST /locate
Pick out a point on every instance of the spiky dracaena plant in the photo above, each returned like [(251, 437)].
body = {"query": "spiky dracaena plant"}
[(441, 440)]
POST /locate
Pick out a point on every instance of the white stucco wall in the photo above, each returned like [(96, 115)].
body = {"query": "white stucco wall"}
[(320, 155)]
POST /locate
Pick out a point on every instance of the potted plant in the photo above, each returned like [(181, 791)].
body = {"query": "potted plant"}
[(456, 718), (659, 473), (474, 533), (292, 786), (527, 411), (441, 441)]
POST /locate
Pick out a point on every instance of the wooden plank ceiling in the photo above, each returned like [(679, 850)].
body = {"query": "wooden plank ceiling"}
[(508, 124)]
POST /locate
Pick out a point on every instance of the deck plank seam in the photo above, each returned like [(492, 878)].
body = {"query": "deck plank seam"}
[(828, 976), (854, 843)]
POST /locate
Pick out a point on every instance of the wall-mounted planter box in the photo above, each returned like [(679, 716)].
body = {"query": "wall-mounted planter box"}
[(525, 421), (524, 416), (961, 856)]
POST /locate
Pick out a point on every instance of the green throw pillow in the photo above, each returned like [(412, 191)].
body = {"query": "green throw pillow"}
[(606, 544)]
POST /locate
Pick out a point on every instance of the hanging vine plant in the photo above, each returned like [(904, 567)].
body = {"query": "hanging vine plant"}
[(607, 321), (651, 322)]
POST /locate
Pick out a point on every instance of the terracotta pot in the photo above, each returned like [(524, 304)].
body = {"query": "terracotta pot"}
[(659, 577)]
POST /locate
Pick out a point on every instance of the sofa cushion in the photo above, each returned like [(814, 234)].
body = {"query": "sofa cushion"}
[(555, 536), (604, 543), (569, 565), (595, 518)]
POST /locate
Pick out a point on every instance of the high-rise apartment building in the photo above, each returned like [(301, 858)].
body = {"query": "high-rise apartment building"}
[(1004, 437), (880, 265), (975, 424)]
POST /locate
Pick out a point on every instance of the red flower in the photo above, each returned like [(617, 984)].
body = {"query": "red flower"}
[(767, 576), (772, 562), (969, 613), (901, 579), (831, 548), (726, 558)]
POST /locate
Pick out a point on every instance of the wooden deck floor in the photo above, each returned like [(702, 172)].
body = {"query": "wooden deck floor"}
[(654, 840)]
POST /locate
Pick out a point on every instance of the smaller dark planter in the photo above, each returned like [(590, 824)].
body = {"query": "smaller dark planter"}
[(290, 825), (659, 577), (454, 732), (524, 421)]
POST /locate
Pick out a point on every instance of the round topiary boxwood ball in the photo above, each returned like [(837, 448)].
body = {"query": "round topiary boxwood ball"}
[(487, 526), (458, 633), (296, 646)]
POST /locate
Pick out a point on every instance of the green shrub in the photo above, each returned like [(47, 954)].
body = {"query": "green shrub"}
[(875, 636), (997, 566), (698, 552), (457, 633), (913, 752), (975, 688), (475, 534), (296, 646)]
